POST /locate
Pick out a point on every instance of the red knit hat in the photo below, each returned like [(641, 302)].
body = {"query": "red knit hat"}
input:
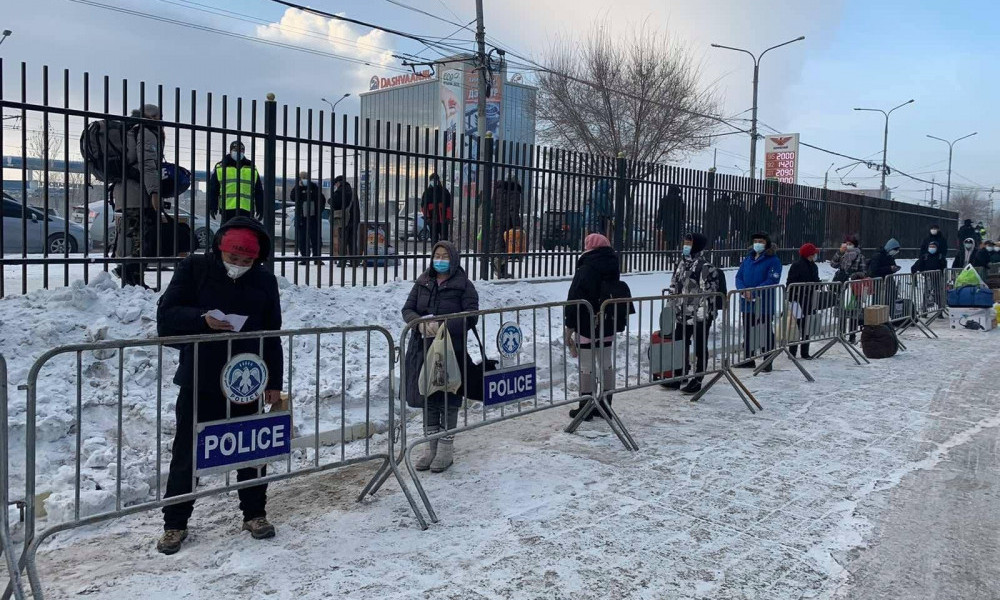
[(808, 250), (241, 241)]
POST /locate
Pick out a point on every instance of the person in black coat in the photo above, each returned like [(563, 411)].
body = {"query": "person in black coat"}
[(596, 269), (230, 278), (938, 237), (968, 230), (435, 204), (883, 263), (932, 259), (443, 289), (309, 202), (969, 254), (804, 270), (344, 204), (670, 218)]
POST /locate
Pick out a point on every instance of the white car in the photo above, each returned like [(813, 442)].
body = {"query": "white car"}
[(19, 220), (95, 219)]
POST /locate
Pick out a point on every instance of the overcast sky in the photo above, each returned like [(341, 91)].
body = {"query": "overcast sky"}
[(856, 53)]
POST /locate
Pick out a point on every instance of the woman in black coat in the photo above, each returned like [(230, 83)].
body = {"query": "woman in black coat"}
[(804, 270), (443, 289), (596, 269)]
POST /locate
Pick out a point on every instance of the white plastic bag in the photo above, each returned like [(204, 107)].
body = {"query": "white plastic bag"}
[(441, 371)]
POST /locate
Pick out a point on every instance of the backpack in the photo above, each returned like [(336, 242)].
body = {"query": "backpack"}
[(103, 145), (879, 341), (723, 289), (617, 313)]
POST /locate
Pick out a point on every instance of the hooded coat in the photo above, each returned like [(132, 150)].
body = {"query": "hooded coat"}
[(670, 216), (456, 294), (883, 264), (968, 230), (344, 198), (972, 257), (215, 186), (759, 270), (803, 271), (436, 202), (594, 270), (695, 275), (199, 285), (930, 262)]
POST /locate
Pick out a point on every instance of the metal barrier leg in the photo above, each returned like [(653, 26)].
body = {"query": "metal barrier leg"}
[(704, 389), (745, 394), (416, 481), (797, 363), (609, 415), (389, 467)]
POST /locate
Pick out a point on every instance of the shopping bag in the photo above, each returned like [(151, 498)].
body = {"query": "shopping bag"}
[(969, 277), (440, 371)]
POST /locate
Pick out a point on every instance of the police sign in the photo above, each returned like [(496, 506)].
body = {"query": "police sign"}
[(242, 442), (244, 378), (509, 339), (508, 385)]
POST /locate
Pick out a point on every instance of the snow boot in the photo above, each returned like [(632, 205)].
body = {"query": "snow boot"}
[(693, 387), (171, 540), (445, 455), (574, 412), (259, 528), (673, 385), (805, 352), (424, 462), (750, 364)]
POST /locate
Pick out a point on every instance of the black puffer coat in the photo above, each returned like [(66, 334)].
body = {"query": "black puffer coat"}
[(803, 271), (200, 284), (594, 268), (428, 297)]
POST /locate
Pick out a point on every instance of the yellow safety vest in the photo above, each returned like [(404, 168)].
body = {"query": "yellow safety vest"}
[(237, 187)]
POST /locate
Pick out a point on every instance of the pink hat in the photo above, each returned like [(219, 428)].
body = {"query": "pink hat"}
[(240, 241), (595, 240)]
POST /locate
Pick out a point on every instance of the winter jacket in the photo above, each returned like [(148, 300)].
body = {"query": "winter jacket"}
[(849, 265), (199, 285), (670, 217), (761, 216), (143, 150), (803, 271), (506, 201), (972, 257), (966, 231), (455, 294), (930, 262), (344, 199), (594, 269), (759, 271), (695, 275), (882, 264), (940, 239), (994, 257), (309, 200), (215, 186), (436, 203)]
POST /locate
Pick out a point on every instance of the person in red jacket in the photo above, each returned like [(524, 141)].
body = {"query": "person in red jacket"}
[(436, 204)]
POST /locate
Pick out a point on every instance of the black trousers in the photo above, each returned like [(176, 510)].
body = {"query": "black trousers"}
[(440, 231), (211, 407), (802, 332), (307, 235), (698, 333), (349, 241)]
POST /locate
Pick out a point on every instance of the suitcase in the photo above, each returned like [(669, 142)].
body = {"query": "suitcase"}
[(666, 356)]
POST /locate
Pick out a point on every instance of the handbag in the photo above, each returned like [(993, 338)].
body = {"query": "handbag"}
[(473, 387), (440, 371)]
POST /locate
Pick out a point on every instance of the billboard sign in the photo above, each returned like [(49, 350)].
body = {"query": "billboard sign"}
[(451, 107), (781, 156), (381, 83)]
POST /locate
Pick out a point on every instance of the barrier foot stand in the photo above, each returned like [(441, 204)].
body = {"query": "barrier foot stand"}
[(704, 389), (390, 466), (377, 481), (14, 585), (614, 422), (826, 347), (416, 483), (32, 569), (19, 566), (744, 393), (798, 363), (854, 352), (774, 355), (924, 329)]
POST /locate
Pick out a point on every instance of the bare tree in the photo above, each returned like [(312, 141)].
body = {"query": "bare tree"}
[(970, 205), (638, 95), (44, 146)]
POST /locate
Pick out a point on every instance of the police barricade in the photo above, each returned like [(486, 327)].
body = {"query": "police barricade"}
[(929, 299), (857, 295), (900, 294), (753, 329), (667, 340), (343, 370), (812, 315), (13, 584), (534, 369)]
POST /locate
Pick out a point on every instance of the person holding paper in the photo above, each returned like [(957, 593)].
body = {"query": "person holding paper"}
[(209, 293)]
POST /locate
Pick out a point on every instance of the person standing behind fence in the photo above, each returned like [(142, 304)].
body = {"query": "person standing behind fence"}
[(994, 251), (138, 196), (441, 290), (436, 206), (670, 219), (596, 269), (968, 254), (849, 261), (235, 189), (309, 203), (506, 216), (345, 217), (967, 230), (938, 237), (760, 268), (230, 278), (932, 259), (804, 270), (695, 275)]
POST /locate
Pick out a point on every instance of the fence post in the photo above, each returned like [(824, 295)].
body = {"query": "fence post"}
[(620, 195), (270, 167), (486, 177), (825, 199)]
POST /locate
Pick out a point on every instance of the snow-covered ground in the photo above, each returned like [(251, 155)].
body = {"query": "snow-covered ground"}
[(716, 504)]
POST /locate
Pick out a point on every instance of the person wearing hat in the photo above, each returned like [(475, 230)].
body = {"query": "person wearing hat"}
[(435, 204), (937, 236), (230, 278), (235, 189), (849, 261), (968, 254), (345, 218), (309, 202), (932, 259), (804, 270), (968, 230), (760, 268)]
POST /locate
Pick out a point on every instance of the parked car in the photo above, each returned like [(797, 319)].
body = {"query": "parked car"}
[(562, 229), (203, 231), (413, 228), (57, 242), (286, 228)]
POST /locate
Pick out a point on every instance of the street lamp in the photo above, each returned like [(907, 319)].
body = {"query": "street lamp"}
[(333, 110), (6, 34), (885, 138), (947, 201), (826, 177), (333, 106), (756, 73)]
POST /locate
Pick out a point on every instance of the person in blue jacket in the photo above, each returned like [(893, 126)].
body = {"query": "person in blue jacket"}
[(760, 268)]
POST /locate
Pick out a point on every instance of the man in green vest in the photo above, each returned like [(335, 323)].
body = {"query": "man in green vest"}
[(234, 188)]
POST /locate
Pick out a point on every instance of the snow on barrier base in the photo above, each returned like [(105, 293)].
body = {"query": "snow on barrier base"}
[(349, 344), (13, 585)]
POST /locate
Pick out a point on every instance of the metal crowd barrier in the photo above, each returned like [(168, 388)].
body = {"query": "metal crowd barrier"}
[(13, 585), (752, 327), (812, 315), (662, 342), (534, 373), (859, 294), (226, 453)]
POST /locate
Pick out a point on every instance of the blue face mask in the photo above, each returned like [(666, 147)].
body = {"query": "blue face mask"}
[(758, 247), (932, 250), (686, 250), (441, 266)]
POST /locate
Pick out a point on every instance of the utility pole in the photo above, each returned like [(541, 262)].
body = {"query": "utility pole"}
[(951, 145), (483, 71), (885, 136)]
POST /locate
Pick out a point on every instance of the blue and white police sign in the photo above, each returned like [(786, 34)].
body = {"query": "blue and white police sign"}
[(509, 339), (244, 378), (242, 442), (508, 385)]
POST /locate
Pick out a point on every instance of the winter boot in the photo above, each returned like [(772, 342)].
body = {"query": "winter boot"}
[(692, 387), (259, 528), (574, 412), (424, 462), (794, 350), (805, 352), (750, 364), (171, 540), (673, 385), (769, 367), (445, 455)]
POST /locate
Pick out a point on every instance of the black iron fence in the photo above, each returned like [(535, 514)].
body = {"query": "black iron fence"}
[(514, 210)]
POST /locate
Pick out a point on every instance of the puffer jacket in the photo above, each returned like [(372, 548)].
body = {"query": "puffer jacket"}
[(593, 269), (759, 270), (456, 294), (803, 271), (695, 275)]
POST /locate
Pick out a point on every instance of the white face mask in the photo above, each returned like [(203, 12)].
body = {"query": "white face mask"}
[(235, 271), (850, 246), (969, 246), (934, 231)]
